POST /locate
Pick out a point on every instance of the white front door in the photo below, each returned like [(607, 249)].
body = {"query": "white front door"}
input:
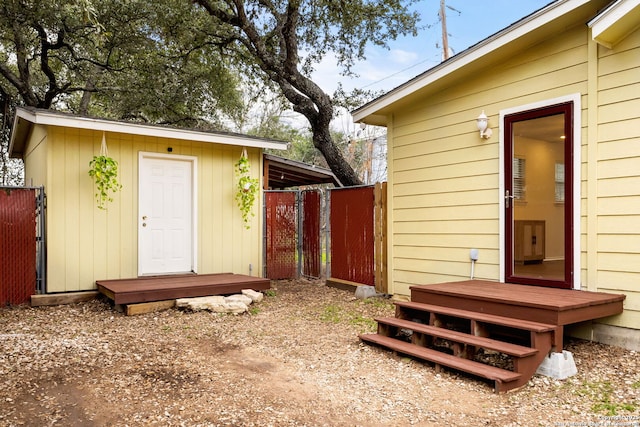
[(165, 222)]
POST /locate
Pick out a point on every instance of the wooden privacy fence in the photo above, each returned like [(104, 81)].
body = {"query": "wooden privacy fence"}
[(358, 224), (22, 256), (353, 225)]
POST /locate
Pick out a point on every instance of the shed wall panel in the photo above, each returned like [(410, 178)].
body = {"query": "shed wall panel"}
[(35, 157), (87, 244)]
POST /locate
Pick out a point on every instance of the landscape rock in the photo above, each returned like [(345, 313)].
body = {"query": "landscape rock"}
[(216, 304), (200, 303), (239, 298), (254, 295), (235, 307), (365, 291)]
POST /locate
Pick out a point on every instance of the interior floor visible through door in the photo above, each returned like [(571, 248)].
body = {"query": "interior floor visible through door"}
[(553, 270)]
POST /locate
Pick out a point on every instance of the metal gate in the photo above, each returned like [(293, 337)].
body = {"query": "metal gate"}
[(292, 234), (22, 244), (311, 245), (280, 234)]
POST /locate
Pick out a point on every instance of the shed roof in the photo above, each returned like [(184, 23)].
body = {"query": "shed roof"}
[(27, 117), (543, 23), (283, 173)]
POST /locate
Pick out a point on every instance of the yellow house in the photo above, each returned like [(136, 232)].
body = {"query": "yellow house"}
[(176, 210), (518, 161)]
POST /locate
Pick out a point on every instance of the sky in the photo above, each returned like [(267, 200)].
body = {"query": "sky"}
[(470, 22)]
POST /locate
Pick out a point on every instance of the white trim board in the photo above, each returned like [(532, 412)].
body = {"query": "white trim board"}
[(51, 118)]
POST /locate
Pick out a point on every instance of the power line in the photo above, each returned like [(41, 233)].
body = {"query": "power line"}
[(442, 18), (397, 72)]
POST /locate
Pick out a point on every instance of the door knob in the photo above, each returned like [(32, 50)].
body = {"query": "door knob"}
[(144, 217), (508, 197)]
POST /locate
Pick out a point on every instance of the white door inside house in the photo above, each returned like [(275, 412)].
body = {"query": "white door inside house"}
[(165, 222)]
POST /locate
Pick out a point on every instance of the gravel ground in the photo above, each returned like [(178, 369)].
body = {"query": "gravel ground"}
[(294, 360)]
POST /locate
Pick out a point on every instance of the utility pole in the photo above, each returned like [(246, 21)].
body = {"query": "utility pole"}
[(445, 37)]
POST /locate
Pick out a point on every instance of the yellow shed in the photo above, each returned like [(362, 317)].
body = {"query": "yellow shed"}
[(518, 161), (176, 211)]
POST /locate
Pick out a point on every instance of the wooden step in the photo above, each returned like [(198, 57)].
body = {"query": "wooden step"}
[(477, 316), (501, 377), (460, 337)]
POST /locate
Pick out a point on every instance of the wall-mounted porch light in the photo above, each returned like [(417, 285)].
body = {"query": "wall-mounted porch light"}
[(483, 126)]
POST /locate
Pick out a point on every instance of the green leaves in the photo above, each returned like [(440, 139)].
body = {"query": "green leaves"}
[(104, 171), (155, 62), (247, 189)]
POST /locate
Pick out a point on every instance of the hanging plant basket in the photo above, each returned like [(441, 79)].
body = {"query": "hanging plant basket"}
[(247, 189), (104, 171)]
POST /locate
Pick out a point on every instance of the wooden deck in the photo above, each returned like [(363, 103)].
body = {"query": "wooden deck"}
[(160, 288), (535, 303), (453, 324), (553, 306)]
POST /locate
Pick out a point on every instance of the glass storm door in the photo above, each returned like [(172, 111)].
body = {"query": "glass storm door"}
[(538, 197)]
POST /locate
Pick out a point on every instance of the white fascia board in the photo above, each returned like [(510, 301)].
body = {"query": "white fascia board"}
[(56, 119), (611, 16), (492, 43)]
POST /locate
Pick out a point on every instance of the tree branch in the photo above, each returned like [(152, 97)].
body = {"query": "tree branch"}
[(276, 53)]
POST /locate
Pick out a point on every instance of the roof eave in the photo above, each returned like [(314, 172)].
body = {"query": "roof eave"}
[(315, 173), (615, 22), (45, 117), (18, 137)]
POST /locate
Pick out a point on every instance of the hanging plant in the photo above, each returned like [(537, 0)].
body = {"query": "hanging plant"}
[(104, 171), (247, 188)]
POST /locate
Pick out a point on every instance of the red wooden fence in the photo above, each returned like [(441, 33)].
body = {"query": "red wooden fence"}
[(17, 245), (352, 235), (357, 220)]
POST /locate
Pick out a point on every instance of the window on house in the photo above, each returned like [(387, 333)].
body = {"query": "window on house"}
[(518, 178), (559, 196)]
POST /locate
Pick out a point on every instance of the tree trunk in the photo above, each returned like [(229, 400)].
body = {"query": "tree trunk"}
[(339, 166)]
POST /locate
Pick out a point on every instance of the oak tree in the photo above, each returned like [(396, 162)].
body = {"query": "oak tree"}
[(125, 59), (280, 42)]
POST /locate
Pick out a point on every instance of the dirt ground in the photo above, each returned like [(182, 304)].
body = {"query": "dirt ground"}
[(294, 360)]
